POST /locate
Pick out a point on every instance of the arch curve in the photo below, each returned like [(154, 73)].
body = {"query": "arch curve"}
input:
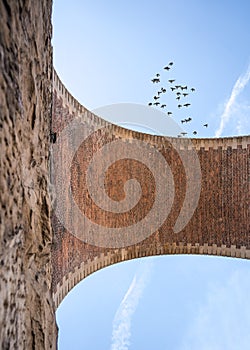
[(70, 280), (219, 224)]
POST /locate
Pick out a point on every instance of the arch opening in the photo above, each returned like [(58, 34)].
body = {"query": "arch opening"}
[(171, 302)]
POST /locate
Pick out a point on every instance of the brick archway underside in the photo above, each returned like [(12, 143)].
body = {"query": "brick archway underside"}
[(220, 224)]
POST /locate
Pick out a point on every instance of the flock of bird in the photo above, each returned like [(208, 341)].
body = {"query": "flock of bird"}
[(181, 92)]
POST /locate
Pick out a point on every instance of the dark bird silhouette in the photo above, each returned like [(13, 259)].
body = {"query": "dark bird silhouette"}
[(178, 93), (163, 106), (183, 133), (172, 88), (171, 63), (185, 94), (150, 103), (169, 113), (206, 125), (177, 86), (171, 81), (178, 98), (187, 104), (186, 120), (157, 75), (156, 97), (156, 103), (155, 80), (159, 92), (184, 87), (192, 89), (195, 132), (163, 90), (179, 106), (167, 68), (178, 135)]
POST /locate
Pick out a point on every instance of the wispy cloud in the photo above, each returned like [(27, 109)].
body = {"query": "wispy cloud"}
[(122, 321), (239, 86), (222, 320)]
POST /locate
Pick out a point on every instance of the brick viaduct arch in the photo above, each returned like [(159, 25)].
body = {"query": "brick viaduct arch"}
[(219, 224)]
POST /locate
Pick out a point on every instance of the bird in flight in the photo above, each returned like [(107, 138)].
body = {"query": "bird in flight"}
[(186, 120), (170, 64), (206, 125), (181, 90)]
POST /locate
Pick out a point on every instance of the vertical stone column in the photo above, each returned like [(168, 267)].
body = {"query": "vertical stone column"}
[(26, 309)]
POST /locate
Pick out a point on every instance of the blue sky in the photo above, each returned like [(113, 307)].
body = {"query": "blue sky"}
[(106, 52)]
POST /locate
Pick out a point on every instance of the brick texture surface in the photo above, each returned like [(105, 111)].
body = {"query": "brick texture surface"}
[(219, 224)]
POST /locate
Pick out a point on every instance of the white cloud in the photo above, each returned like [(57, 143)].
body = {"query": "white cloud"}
[(230, 105), (122, 321), (223, 320)]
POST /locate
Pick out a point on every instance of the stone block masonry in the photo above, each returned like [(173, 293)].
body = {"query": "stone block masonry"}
[(27, 319)]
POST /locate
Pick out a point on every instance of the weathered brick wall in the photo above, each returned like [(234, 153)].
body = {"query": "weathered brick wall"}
[(26, 308), (220, 224)]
